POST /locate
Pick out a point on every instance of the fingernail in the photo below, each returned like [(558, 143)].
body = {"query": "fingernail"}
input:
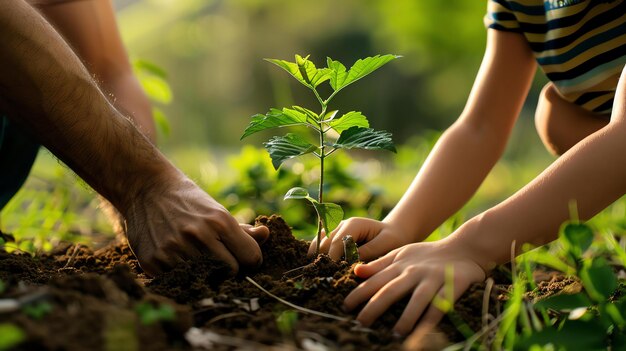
[(397, 335)]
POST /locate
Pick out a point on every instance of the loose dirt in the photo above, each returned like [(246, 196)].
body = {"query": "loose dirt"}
[(94, 299)]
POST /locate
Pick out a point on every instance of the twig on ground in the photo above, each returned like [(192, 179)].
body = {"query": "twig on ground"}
[(70, 261), (300, 308)]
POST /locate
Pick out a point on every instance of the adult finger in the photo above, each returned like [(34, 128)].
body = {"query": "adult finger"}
[(369, 287), (385, 297), (259, 233), (219, 251), (159, 263), (243, 247)]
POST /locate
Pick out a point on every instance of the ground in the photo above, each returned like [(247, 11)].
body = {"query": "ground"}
[(102, 301)]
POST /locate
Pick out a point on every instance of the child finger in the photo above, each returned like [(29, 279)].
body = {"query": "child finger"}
[(384, 298), (367, 270), (369, 287), (421, 297)]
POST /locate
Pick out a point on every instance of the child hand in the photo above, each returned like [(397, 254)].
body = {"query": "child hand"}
[(416, 269), (379, 238)]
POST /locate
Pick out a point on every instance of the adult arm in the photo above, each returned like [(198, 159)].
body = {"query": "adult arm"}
[(45, 88), (462, 157), (89, 27)]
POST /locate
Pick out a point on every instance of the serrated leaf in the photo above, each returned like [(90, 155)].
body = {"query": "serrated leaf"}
[(304, 71), (338, 73), (349, 120), (365, 138), (296, 193), (276, 118), (286, 147), (578, 237), (314, 116), (340, 79), (564, 302), (330, 214), (598, 279)]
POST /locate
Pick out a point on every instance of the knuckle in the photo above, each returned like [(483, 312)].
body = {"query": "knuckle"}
[(412, 271)]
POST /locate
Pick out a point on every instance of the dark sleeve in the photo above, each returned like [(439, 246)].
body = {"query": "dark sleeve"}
[(500, 16)]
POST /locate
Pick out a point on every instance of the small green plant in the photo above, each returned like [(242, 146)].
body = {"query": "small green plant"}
[(348, 131), (286, 322), (591, 319), (37, 310), (10, 336), (150, 314)]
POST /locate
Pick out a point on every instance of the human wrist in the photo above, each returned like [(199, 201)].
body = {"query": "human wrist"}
[(406, 228), (469, 241)]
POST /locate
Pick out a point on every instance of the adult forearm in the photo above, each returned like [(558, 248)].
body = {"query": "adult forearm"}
[(45, 88), (452, 173)]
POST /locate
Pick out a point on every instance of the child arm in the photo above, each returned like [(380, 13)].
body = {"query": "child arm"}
[(460, 160), (592, 173)]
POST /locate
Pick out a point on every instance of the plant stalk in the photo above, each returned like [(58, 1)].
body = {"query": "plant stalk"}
[(320, 196)]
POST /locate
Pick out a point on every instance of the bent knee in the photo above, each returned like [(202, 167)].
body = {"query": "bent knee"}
[(548, 121), (562, 124)]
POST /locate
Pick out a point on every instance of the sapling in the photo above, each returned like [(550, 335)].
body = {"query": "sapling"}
[(334, 131)]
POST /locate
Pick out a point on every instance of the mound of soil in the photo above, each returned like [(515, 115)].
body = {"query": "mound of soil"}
[(102, 301)]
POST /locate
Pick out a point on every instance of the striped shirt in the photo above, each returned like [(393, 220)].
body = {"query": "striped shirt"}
[(579, 44)]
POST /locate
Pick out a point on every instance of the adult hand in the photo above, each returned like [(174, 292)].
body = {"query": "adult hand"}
[(167, 226), (423, 270), (379, 238)]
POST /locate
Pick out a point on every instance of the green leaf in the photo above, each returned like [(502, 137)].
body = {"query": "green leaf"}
[(338, 73), (598, 279), (145, 66), (314, 116), (577, 237), (286, 147), (573, 335), (286, 321), (564, 302), (365, 138), (276, 118), (10, 336), (304, 71), (339, 79), (161, 121), (330, 214), (156, 88), (297, 193), (349, 120)]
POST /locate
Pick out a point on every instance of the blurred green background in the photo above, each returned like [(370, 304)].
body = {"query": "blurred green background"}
[(212, 54)]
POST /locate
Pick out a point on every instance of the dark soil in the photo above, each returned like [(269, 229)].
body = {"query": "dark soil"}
[(93, 301)]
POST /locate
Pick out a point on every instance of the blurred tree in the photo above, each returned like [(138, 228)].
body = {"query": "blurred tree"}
[(213, 50)]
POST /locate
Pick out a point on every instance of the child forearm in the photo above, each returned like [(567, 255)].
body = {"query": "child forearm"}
[(454, 170), (591, 174)]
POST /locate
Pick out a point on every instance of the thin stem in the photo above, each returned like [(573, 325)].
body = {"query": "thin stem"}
[(322, 156), (319, 98), (300, 308)]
